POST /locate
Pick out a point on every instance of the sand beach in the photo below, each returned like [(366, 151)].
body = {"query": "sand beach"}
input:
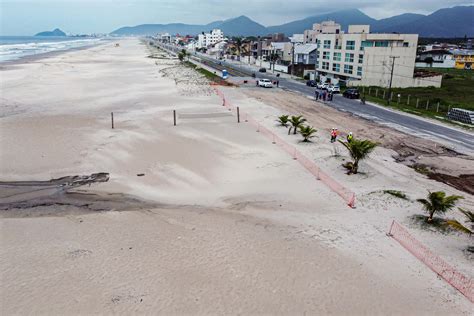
[(205, 217)]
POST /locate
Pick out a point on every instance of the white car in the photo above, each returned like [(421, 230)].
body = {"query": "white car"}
[(322, 86), (334, 89), (265, 83)]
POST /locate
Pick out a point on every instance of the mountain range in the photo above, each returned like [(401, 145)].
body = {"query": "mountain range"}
[(449, 22)]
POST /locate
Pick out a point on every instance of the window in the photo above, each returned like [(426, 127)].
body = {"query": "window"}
[(319, 43), (337, 45), (350, 45), (337, 57), (381, 44), (348, 69), (359, 71), (327, 44), (361, 59), (405, 44), (325, 65), (336, 67), (349, 58), (366, 44), (326, 55)]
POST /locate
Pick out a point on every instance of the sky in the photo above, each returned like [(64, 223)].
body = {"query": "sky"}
[(28, 17)]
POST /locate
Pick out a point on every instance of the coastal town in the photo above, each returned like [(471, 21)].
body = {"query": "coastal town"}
[(327, 171)]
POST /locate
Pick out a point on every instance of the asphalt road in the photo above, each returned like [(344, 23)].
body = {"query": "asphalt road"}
[(456, 139)]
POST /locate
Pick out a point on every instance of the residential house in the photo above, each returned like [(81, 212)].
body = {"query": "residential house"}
[(464, 58), (438, 58)]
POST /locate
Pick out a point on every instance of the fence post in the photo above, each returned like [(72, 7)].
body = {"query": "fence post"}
[(417, 102), (408, 100), (223, 101), (238, 115), (376, 92), (399, 96), (427, 104), (391, 96), (370, 90), (383, 97), (389, 234), (174, 117), (437, 107), (112, 119), (449, 107)]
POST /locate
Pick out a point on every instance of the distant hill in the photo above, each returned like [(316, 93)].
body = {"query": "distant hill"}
[(56, 32), (450, 22), (344, 17)]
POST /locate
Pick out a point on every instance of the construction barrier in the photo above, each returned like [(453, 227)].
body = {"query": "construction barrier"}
[(307, 163), (459, 281)]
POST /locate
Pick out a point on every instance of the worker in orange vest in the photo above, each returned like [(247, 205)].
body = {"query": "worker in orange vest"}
[(334, 133)]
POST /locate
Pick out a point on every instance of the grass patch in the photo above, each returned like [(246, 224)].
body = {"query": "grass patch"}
[(206, 73), (455, 92), (398, 194), (422, 169), (437, 224)]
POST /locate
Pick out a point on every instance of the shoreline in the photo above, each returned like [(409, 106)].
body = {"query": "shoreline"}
[(36, 57)]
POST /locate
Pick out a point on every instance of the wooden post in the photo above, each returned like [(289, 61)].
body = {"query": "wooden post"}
[(427, 104), (238, 115), (399, 96), (437, 107), (408, 100), (417, 102), (370, 89), (391, 96), (112, 117), (376, 92), (174, 117)]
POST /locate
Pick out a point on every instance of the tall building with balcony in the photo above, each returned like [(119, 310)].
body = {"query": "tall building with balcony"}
[(361, 58), (208, 39), (326, 27)]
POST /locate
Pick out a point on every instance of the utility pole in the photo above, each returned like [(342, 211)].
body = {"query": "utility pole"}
[(391, 78), (292, 59)]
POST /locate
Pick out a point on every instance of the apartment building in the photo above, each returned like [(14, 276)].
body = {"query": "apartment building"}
[(464, 58), (361, 58), (208, 39), (326, 27)]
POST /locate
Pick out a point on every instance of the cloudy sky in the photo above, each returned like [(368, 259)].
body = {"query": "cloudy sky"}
[(27, 17)]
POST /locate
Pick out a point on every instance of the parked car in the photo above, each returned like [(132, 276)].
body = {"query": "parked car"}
[(262, 70), (265, 83), (351, 94), (323, 85), (334, 89), (311, 83)]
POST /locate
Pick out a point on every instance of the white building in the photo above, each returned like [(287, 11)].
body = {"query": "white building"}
[(208, 39), (360, 58), (438, 58), (164, 37), (326, 27)]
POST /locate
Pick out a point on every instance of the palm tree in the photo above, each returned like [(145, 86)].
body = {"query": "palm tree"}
[(185, 53), (438, 202), (296, 122), (238, 44), (359, 150), (283, 120), (307, 132), (180, 56), (457, 225)]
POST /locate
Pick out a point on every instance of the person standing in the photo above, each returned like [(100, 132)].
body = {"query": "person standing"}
[(278, 83), (333, 135), (350, 137), (316, 94)]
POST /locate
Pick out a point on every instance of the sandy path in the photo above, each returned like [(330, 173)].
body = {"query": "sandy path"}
[(242, 227)]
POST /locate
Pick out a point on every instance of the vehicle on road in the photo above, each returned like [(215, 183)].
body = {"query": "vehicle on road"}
[(351, 93), (311, 83), (334, 89), (262, 70), (265, 83), (323, 85)]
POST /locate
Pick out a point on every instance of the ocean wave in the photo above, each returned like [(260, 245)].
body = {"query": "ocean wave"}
[(19, 50)]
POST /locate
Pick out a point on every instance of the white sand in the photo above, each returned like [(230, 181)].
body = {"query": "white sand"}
[(243, 228)]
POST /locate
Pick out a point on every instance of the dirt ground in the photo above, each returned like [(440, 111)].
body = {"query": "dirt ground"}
[(425, 156)]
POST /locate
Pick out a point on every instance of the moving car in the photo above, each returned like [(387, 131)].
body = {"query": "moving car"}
[(323, 85), (265, 83), (351, 93), (334, 89), (262, 70), (311, 83)]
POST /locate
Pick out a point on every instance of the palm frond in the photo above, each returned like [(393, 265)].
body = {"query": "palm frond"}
[(468, 214), (458, 226)]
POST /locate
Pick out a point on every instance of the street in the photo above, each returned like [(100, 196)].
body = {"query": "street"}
[(451, 137)]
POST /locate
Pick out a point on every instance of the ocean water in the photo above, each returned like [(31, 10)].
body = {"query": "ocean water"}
[(16, 47)]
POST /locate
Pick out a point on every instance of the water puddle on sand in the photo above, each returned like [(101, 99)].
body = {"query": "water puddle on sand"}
[(62, 196)]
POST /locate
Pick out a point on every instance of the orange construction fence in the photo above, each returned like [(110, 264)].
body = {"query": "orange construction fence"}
[(307, 163), (459, 281)]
